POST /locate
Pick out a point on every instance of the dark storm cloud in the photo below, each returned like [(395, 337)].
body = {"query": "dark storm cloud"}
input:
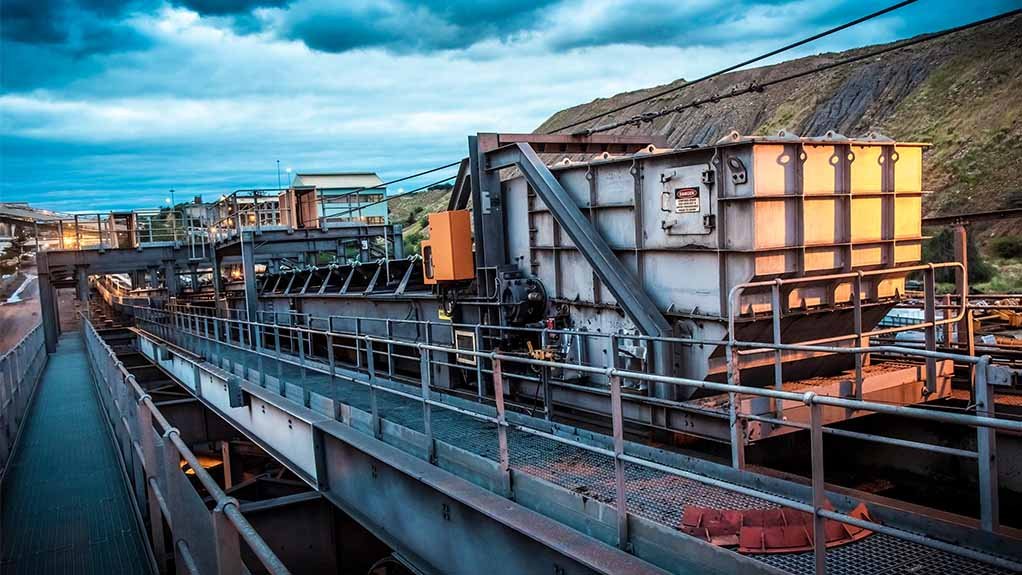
[(407, 26), (653, 23), (35, 21), (403, 27), (229, 7), (48, 43), (76, 28)]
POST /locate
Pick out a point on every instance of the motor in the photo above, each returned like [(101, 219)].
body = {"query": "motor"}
[(522, 298)]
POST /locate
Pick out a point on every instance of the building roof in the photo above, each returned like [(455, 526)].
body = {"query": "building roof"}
[(344, 180), (22, 211)]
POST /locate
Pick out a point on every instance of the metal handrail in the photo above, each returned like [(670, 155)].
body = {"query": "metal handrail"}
[(16, 364), (985, 425), (21, 342), (224, 504), (733, 357), (100, 231), (226, 225)]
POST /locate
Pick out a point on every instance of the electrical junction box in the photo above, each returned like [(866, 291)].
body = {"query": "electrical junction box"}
[(447, 254)]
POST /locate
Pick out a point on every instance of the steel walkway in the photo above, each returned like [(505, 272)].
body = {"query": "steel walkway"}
[(655, 495), (66, 508)]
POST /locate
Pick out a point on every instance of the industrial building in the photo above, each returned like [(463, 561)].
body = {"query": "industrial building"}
[(340, 197)]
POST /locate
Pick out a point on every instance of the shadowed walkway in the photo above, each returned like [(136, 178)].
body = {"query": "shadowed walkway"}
[(66, 508)]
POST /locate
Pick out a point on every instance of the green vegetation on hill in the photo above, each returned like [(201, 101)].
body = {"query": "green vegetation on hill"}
[(412, 210)]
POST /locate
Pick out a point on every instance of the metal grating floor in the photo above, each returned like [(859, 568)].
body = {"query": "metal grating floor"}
[(652, 494), (882, 554), (66, 508)]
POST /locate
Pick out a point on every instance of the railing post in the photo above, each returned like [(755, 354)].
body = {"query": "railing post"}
[(621, 496), (735, 425), (5, 380), (171, 465), (373, 406), (775, 313), (818, 484), (505, 455), (426, 378), (986, 445), (480, 382), (857, 321), (330, 352), (731, 359), (149, 464), (390, 348), (946, 315), (548, 401), (156, 523), (358, 344), (228, 544), (930, 314)]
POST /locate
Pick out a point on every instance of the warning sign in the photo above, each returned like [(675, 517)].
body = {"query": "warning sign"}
[(686, 200)]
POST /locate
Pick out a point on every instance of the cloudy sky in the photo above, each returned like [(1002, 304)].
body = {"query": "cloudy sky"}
[(110, 103)]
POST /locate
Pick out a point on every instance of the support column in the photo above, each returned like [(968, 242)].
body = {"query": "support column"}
[(218, 285), (82, 287), (170, 279), (399, 244), (47, 304), (154, 277), (248, 269)]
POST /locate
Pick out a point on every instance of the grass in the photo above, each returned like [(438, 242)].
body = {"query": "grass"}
[(1007, 278)]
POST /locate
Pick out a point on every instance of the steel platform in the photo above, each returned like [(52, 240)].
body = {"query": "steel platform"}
[(66, 508), (653, 495)]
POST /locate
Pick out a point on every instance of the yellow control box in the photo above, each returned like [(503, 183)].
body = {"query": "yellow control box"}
[(447, 254)]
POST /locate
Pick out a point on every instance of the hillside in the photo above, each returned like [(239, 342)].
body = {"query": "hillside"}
[(962, 93), (411, 211)]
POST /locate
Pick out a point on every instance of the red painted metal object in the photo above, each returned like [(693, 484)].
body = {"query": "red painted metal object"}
[(767, 530)]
